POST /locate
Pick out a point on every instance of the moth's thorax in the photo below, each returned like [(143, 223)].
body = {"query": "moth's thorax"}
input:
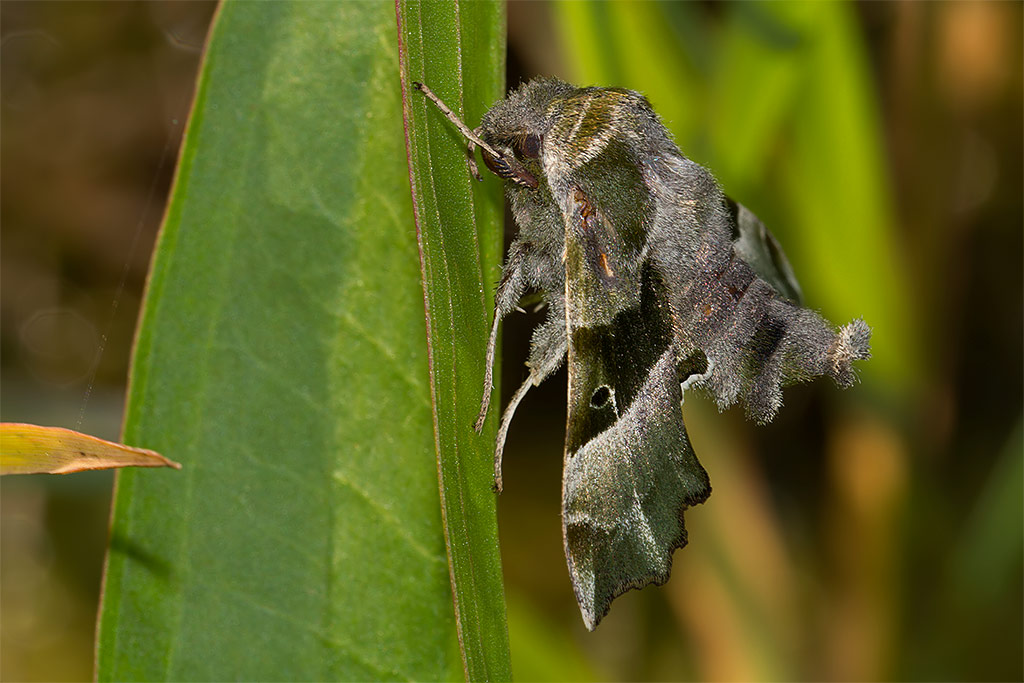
[(585, 122)]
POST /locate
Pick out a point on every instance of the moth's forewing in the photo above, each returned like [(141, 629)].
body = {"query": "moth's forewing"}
[(629, 470)]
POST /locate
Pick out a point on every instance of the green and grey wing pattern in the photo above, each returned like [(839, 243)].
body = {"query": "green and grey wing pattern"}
[(629, 470)]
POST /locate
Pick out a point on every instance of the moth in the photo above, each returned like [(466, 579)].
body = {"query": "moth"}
[(656, 284)]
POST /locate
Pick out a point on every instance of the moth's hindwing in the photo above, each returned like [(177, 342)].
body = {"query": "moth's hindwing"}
[(629, 469), (757, 246)]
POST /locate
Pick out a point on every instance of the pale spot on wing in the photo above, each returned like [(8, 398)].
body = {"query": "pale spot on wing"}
[(596, 144), (644, 533), (583, 114), (694, 379)]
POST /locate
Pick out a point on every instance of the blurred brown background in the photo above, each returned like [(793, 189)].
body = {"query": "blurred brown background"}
[(94, 97), (859, 528)]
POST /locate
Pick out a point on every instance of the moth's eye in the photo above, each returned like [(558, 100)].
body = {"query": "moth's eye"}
[(507, 167), (601, 397), (527, 146)]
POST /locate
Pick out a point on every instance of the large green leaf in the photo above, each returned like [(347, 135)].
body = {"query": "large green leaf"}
[(460, 55), (281, 358)]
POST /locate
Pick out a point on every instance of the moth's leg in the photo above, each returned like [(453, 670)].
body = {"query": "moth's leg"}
[(510, 289), (485, 400), (549, 343), (503, 429), (547, 351)]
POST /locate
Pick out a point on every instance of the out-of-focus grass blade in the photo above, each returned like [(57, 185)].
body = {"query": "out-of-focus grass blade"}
[(542, 652), (31, 449), (458, 50), (282, 358), (836, 194), (992, 542), (632, 45), (751, 90)]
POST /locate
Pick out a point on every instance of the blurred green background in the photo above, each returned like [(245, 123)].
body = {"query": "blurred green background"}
[(870, 534)]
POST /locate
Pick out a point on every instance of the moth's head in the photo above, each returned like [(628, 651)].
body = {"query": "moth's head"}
[(516, 126)]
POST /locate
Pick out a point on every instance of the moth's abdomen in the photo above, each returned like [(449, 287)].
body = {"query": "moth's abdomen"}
[(757, 341), (852, 343)]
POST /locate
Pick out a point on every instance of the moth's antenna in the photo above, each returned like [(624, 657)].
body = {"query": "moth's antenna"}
[(470, 135)]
